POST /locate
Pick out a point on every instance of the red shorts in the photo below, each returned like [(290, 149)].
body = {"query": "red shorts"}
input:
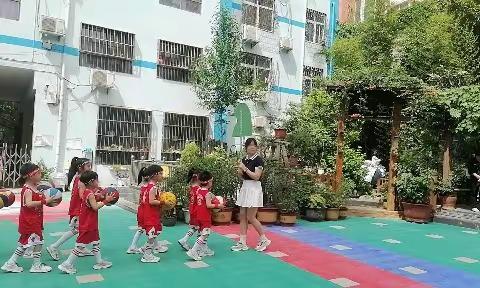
[(31, 239), (204, 224), (153, 230), (87, 237), (140, 223), (193, 220)]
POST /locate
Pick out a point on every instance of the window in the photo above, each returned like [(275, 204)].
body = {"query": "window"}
[(122, 134), (309, 76), (10, 9), (179, 129), (106, 49), (175, 60), (315, 27), (257, 67), (259, 13), (194, 6)]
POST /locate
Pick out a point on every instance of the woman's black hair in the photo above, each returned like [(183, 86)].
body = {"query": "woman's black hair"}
[(74, 167), (249, 141), (204, 177), (192, 175), (148, 172), (88, 177), (26, 169)]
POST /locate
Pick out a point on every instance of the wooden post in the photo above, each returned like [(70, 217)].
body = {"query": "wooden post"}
[(393, 163), (447, 155), (337, 184)]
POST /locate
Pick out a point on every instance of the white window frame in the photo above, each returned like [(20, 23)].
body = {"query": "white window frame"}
[(256, 67), (257, 6), (175, 60), (182, 5), (317, 22), (309, 79)]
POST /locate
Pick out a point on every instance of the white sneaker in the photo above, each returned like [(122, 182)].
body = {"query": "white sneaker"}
[(184, 245), (239, 247), (150, 258), (11, 267), (208, 252), (85, 253), (40, 268), (160, 249), (262, 245), (67, 268), (28, 253), (475, 210), (102, 265), (194, 255), (133, 250), (53, 253)]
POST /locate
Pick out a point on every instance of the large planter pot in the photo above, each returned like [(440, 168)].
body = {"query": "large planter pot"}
[(343, 213), (169, 221), (180, 215), (267, 215), (222, 217), (332, 214), (280, 133), (186, 215), (288, 219), (419, 213), (449, 202), (315, 214)]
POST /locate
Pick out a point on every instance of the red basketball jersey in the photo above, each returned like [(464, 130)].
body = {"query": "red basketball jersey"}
[(31, 218), (75, 200), (88, 218), (143, 190), (151, 213), (193, 198), (202, 213)]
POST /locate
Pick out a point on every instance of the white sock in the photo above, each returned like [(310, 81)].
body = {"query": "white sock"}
[(263, 237), (243, 239), (199, 244), (65, 237), (189, 234), (18, 253), (37, 254), (96, 252), (149, 247), (135, 238), (74, 254)]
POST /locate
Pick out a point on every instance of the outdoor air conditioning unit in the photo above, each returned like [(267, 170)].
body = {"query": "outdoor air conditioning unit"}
[(102, 79), (286, 44), (52, 26), (260, 122), (250, 35)]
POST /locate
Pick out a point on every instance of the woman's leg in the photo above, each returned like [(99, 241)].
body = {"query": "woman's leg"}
[(252, 218), (243, 225)]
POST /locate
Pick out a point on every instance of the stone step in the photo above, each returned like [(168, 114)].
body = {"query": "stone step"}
[(363, 211), (365, 202), (458, 217)]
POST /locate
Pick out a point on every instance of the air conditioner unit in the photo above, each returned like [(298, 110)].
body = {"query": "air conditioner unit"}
[(51, 95), (250, 35), (260, 122), (52, 26), (286, 44), (102, 79)]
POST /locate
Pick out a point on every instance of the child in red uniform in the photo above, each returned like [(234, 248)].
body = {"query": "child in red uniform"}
[(144, 177), (203, 215), (151, 211), (88, 225), (193, 182), (30, 221), (77, 167)]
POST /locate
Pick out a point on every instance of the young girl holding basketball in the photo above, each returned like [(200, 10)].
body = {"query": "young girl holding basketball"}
[(147, 185), (77, 167), (192, 179), (203, 214), (88, 225), (30, 221), (151, 211)]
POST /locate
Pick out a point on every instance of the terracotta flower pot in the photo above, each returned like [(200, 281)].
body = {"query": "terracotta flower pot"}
[(343, 213), (267, 215), (332, 214), (236, 215), (315, 214), (222, 217), (449, 202), (288, 219), (419, 213), (169, 221), (280, 133)]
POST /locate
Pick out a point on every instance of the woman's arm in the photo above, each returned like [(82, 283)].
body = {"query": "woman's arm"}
[(254, 175), (152, 199)]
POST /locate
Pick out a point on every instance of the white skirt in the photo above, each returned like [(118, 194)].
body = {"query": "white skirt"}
[(250, 194)]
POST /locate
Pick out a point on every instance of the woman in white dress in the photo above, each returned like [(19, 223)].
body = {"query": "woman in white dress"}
[(250, 196)]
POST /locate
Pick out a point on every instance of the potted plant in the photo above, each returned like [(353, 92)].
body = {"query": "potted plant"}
[(274, 183), (447, 194), (413, 191), (316, 207), (288, 211), (169, 218), (280, 133), (333, 204)]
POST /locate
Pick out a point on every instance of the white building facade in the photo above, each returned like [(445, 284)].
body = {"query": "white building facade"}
[(110, 79)]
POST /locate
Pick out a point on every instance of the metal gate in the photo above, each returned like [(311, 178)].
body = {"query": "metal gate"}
[(12, 157)]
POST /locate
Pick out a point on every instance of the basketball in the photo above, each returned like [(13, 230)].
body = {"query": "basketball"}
[(50, 192), (217, 200), (114, 192), (10, 196), (3, 201), (169, 200)]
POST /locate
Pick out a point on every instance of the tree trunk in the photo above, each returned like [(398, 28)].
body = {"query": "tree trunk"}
[(337, 184), (393, 163)]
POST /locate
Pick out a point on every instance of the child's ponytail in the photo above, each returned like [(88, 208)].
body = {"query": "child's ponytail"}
[(141, 175)]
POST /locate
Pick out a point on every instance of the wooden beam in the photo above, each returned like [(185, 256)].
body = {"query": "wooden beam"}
[(393, 163), (447, 155), (340, 147)]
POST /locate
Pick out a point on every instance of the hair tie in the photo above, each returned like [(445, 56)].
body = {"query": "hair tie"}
[(32, 173)]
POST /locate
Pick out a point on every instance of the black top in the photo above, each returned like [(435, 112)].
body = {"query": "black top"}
[(473, 167), (252, 163)]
